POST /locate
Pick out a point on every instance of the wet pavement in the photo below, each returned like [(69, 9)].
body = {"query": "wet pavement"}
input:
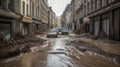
[(57, 52)]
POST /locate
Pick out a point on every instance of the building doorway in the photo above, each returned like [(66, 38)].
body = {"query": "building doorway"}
[(105, 26), (96, 28)]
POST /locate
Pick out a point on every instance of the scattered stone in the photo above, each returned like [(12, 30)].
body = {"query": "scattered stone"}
[(26, 49)]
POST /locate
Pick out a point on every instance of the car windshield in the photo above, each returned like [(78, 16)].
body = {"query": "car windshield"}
[(64, 29), (53, 30)]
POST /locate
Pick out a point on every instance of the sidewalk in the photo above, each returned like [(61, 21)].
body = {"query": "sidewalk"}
[(108, 46), (21, 44)]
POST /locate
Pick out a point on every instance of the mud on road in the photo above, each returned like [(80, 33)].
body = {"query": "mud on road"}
[(18, 45), (65, 51)]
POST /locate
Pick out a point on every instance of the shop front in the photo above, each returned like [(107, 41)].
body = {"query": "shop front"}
[(5, 29), (86, 24), (25, 25), (8, 24)]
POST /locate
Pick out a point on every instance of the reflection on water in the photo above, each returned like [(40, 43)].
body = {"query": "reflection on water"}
[(55, 61), (55, 53)]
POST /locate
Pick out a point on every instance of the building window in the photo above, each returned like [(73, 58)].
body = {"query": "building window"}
[(98, 4), (0, 3), (27, 10), (87, 7), (94, 5), (23, 7), (104, 3), (5, 30), (91, 6), (109, 1), (32, 10), (11, 5), (36, 12)]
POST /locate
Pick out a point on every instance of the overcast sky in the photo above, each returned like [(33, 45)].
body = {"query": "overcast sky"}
[(58, 6)]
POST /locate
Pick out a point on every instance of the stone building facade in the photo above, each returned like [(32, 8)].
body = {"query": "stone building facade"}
[(26, 20), (97, 17), (17, 12), (35, 13), (23, 17), (44, 12), (104, 17), (52, 18), (39, 14), (10, 18), (67, 18), (79, 14)]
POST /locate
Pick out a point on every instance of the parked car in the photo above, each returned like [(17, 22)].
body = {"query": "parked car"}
[(52, 34), (59, 31), (65, 31)]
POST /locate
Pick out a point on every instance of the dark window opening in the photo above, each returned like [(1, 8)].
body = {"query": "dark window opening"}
[(11, 5), (23, 7), (5, 31), (0, 3), (37, 27), (32, 10), (27, 10)]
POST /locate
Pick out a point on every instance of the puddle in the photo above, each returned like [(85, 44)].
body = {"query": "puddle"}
[(57, 56), (58, 61)]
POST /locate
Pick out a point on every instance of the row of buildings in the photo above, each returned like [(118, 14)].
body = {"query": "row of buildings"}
[(25, 17), (52, 18), (94, 16)]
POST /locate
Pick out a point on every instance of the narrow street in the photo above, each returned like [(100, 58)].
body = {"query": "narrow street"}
[(59, 52), (59, 33)]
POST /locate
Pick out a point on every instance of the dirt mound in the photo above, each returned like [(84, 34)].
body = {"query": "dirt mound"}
[(20, 44)]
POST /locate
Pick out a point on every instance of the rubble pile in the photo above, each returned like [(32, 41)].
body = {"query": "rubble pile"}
[(20, 44), (87, 47)]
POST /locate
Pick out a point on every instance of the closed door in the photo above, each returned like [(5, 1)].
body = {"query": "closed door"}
[(105, 26), (96, 28), (25, 30)]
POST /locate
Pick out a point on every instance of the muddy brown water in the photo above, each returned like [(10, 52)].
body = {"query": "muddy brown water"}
[(55, 53)]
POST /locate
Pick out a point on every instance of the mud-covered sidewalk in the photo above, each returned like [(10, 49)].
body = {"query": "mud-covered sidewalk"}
[(18, 45), (103, 46)]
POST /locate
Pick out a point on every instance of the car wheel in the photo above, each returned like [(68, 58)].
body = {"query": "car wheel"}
[(117, 60)]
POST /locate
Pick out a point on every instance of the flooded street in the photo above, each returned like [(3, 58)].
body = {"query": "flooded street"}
[(59, 52), (59, 33)]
